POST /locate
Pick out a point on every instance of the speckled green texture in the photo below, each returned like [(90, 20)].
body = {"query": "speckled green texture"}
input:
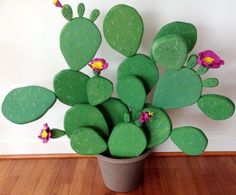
[(126, 140), (87, 141), (26, 104), (192, 61), (132, 92), (210, 82), (123, 29), (216, 107), (71, 87), (202, 70), (79, 41), (190, 140), (170, 51), (57, 133), (85, 115), (158, 128), (94, 14), (177, 88), (142, 67), (99, 89), (67, 12)]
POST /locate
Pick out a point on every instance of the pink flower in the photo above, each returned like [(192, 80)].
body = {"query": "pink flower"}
[(145, 117), (57, 3), (209, 59), (45, 133), (98, 64)]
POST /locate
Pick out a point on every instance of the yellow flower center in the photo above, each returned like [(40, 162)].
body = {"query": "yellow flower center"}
[(97, 65), (44, 134), (208, 60), (150, 113)]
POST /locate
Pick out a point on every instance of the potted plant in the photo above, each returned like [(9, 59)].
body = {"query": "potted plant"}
[(122, 131)]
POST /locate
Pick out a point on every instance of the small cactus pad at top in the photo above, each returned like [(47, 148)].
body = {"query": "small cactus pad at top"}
[(190, 140), (126, 140), (192, 61), (177, 88), (142, 67), (123, 29), (87, 141), (27, 104), (216, 107), (85, 115), (210, 82), (57, 133), (70, 87), (99, 89), (132, 92), (170, 51), (158, 128)]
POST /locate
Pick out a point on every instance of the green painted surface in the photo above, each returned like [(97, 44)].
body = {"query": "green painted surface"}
[(202, 70), (79, 41), (126, 140), (177, 88), (71, 87), (87, 141), (94, 15), (82, 115), (142, 67), (216, 107), (67, 12), (99, 89), (123, 29), (170, 51), (57, 133), (190, 140), (210, 82), (192, 61), (26, 104)]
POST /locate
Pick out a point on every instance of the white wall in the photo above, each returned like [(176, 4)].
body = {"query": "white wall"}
[(29, 54)]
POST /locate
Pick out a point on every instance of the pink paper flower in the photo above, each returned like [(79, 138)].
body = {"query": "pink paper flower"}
[(45, 134), (145, 117), (57, 3), (209, 59), (98, 65)]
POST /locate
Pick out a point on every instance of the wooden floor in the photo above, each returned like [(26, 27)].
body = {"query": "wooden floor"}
[(163, 176)]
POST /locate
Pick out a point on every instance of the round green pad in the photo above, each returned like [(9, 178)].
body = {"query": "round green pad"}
[(142, 67), (158, 128), (170, 51), (79, 42), (126, 140), (186, 30), (114, 111), (123, 29), (210, 82), (132, 92), (27, 104), (87, 141), (71, 87), (99, 89), (85, 115), (190, 140), (177, 88), (216, 107)]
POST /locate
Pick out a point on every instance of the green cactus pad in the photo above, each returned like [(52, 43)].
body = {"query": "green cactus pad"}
[(177, 88), (57, 133), (85, 115), (81, 10), (79, 42), (123, 29), (192, 61), (132, 92), (186, 30), (99, 89), (202, 70), (26, 104), (216, 107), (94, 15), (158, 128), (210, 82), (142, 67), (87, 141), (114, 111), (67, 12), (170, 51), (190, 140), (126, 140), (71, 87)]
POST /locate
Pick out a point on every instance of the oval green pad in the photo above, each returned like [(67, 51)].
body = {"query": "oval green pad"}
[(210, 82), (192, 61), (190, 140), (79, 42), (186, 30), (57, 133), (126, 140), (142, 67), (170, 51), (132, 92), (71, 87), (158, 128), (87, 141), (99, 89), (85, 115), (216, 107), (26, 104), (114, 111), (177, 88), (123, 29)]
